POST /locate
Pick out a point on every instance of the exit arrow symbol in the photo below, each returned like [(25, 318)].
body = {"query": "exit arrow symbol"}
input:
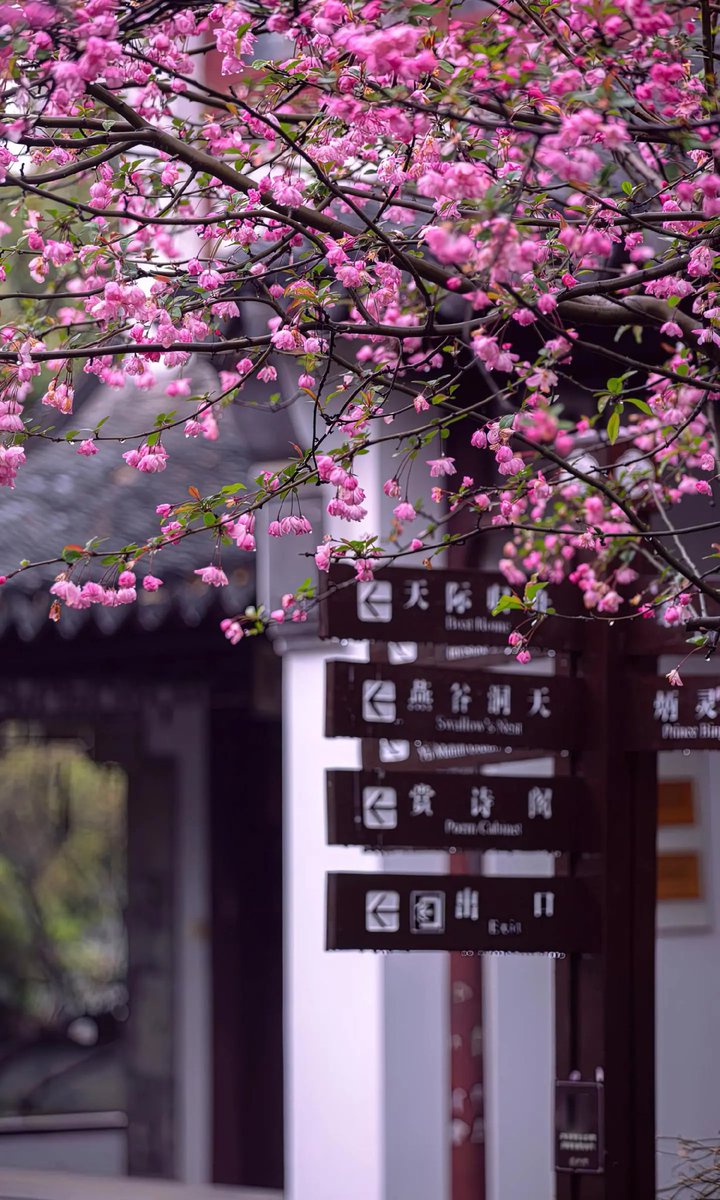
[(382, 912)]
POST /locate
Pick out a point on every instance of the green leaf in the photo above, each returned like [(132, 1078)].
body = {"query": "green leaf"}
[(627, 187), (505, 603), (615, 386), (641, 404), (531, 591), (613, 427)]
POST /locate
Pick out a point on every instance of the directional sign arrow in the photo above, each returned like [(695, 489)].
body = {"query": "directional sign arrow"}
[(379, 807), (382, 912), (443, 607), (464, 912), (378, 700), (374, 601), (426, 810), (441, 704)]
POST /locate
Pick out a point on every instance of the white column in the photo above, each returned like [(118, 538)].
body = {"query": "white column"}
[(519, 1048), (333, 1002), (367, 1089), (417, 1062)]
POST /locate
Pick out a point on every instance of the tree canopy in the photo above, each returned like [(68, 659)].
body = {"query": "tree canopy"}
[(521, 194)]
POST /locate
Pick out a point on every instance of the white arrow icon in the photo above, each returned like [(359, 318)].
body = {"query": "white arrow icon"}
[(382, 912), (393, 751), (379, 808), (378, 700), (402, 652), (374, 600)]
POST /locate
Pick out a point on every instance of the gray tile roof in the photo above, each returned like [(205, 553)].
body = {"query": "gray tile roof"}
[(61, 497)]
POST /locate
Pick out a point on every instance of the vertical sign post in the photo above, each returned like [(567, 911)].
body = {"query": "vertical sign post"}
[(612, 725), (605, 1003)]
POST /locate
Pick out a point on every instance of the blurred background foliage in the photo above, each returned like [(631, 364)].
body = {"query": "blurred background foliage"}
[(63, 952)]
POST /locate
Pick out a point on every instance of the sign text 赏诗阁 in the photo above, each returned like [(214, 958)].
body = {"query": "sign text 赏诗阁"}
[(431, 811)]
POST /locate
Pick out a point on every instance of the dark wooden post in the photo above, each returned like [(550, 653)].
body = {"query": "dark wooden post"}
[(467, 1055), (467, 1078), (605, 1005)]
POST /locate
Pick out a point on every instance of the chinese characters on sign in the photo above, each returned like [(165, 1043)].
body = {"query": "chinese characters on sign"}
[(436, 811), (480, 913), (431, 606), (367, 808), (374, 700), (667, 717)]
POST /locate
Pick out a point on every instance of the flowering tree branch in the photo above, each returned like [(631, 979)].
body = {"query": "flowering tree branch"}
[(408, 199)]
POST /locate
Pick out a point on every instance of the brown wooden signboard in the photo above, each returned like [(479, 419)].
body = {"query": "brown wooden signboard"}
[(469, 812), (398, 754), (662, 717), (372, 700), (447, 607), (484, 914)]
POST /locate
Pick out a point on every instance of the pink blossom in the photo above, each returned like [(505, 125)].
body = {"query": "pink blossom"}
[(59, 396), (10, 418), (66, 591), (212, 575), (233, 630), (11, 459), (151, 583), (404, 511), (323, 557), (87, 448), (150, 459), (441, 466), (93, 592), (267, 374), (524, 316), (364, 570), (285, 339)]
